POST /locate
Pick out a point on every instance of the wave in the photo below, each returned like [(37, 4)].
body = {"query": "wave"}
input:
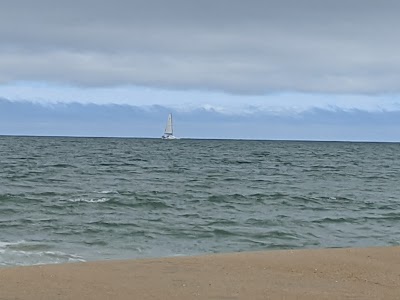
[(198, 196), (60, 166), (335, 220), (393, 216), (107, 192), (116, 224), (260, 222), (145, 203), (219, 232), (226, 198), (23, 253), (89, 200)]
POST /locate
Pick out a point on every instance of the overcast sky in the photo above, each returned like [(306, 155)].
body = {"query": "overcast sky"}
[(229, 56)]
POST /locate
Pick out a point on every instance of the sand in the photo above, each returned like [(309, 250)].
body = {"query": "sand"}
[(370, 273)]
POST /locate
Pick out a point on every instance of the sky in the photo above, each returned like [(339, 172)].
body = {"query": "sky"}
[(310, 69)]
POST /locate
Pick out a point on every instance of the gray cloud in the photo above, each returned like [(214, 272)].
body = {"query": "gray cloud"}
[(229, 45), (74, 119)]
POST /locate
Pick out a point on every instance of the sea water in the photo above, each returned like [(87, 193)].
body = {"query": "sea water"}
[(80, 199)]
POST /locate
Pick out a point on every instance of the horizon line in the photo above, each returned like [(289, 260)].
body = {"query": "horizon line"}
[(199, 139)]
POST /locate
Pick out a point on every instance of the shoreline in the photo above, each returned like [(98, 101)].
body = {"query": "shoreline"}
[(340, 273)]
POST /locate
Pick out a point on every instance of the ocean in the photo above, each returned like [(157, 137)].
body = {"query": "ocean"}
[(65, 199)]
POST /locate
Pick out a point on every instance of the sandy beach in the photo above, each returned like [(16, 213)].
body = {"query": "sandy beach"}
[(370, 273)]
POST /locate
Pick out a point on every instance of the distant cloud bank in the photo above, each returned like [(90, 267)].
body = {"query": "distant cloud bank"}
[(74, 119)]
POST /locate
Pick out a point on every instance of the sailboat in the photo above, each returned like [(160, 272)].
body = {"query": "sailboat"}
[(169, 130)]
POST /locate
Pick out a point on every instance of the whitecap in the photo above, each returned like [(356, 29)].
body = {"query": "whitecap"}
[(107, 192), (89, 200), (4, 245), (21, 254)]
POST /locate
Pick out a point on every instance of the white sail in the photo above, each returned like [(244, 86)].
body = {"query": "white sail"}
[(168, 128)]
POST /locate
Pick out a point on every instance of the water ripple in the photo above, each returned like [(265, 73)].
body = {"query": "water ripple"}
[(72, 199)]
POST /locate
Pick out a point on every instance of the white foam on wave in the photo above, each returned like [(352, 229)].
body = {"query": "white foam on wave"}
[(18, 254), (62, 255), (107, 192), (89, 200), (4, 245)]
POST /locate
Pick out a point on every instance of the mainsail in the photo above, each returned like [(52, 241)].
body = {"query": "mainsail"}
[(169, 131), (168, 128)]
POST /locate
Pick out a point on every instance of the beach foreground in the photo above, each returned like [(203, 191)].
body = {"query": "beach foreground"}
[(370, 273)]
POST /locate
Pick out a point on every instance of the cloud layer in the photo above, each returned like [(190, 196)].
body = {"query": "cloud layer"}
[(246, 47), (73, 119)]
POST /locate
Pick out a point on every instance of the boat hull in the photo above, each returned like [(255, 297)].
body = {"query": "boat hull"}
[(169, 137)]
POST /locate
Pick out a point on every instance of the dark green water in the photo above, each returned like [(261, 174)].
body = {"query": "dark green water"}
[(71, 199)]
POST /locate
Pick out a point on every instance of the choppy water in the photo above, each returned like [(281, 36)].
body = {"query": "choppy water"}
[(79, 199)]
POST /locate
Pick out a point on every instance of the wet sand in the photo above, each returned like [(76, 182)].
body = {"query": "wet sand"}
[(370, 273)]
